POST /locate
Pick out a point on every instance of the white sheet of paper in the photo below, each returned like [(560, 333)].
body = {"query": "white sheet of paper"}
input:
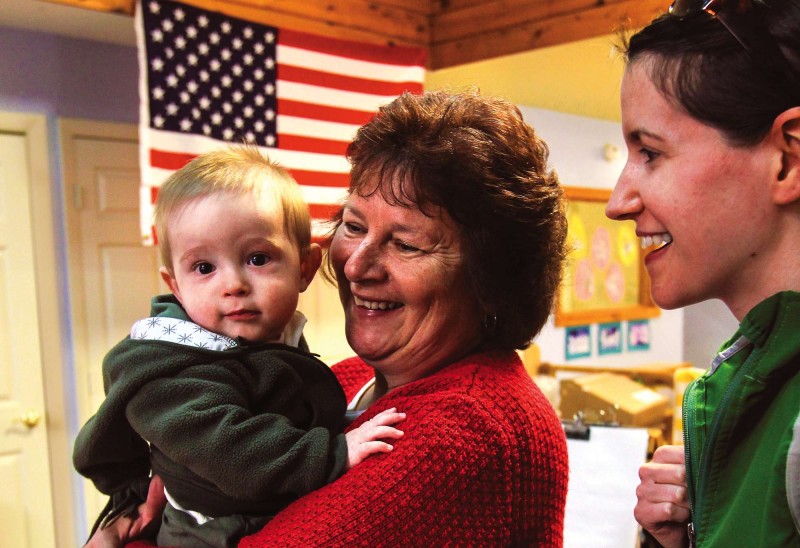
[(604, 473)]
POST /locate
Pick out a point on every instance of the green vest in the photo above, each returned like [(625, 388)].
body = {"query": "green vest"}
[(739, 423)]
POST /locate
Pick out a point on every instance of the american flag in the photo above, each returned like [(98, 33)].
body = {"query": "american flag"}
[(207, 79)]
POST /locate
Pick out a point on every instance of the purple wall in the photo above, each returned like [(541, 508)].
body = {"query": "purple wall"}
[(65, 77)]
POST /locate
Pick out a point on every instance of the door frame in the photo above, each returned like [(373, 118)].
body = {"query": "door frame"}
[(49, 279), (70, 130)]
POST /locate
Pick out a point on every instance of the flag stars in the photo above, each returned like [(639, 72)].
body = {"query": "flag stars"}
[(270, 89), (226, 27), (215, 65), (259, 126), (196, 113), (193, 59), (270, 140), (227, 81), (172, 109), (204, 76), (258, 74), (228, 134), (248, 111), (269, 37), (192, 86), (216, 92), (250, 137), (237, 43), (227, 107), (185, 97), (259, 100), (238, 96), (248, 85), (154, 7), (167, 25), (214, 38), (186, 124), (181, 70), (205, 102), (172, 80), (238, 122), (259, 48), (157, 36), (269, 114), (206, 129), (180, 15), (202, 21), (203, 48), (248, 32), (157, 64), (191, 32), (248, 59), (225, 54), (157, 93), (180, 42), (158, 120), (237, 70), (269, 63), (216, 118)]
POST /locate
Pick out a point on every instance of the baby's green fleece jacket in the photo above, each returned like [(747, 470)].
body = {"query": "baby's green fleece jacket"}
[(244, 430)]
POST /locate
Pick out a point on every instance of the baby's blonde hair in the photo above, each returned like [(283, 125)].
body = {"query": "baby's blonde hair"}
[(240, 170)]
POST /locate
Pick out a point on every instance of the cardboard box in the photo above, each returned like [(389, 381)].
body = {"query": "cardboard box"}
[(615, 398)]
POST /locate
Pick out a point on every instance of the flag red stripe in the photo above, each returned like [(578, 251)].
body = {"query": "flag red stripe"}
[(391, 55), (311, 144), (164, 159), (289, 107), (320, 178), (346, 83), (323, 211)]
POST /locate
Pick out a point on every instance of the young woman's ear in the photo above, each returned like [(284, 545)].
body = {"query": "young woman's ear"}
[(309, 264), (785, 134), (171, 282)]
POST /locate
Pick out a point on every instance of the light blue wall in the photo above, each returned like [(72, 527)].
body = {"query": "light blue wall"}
[(58, 76)]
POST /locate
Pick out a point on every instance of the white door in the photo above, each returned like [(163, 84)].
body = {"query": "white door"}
[(26, 518)]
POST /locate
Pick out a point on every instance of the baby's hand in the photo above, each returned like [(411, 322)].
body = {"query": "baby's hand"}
[(365, 440)]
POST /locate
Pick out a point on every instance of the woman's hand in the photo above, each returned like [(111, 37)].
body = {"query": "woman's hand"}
[(663, 505), (125, 529), (365, 440)]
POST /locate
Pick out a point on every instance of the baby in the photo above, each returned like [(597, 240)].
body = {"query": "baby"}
[(216, 392)]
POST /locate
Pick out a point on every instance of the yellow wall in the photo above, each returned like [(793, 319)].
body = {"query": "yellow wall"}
[(577, 78)]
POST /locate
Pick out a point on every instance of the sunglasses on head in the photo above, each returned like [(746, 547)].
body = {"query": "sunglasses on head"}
[(745, 25)]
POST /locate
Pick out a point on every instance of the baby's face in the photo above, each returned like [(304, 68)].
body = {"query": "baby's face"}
[(235, 270)]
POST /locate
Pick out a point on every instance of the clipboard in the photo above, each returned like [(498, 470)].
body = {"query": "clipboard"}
[(604, 472)]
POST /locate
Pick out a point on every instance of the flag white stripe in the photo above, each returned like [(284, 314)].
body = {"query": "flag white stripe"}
[(347, 66), (306, 127), (319, 95), (323, 194)]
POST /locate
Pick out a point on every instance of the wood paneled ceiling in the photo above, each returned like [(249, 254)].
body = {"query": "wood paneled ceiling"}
[(453, 31)]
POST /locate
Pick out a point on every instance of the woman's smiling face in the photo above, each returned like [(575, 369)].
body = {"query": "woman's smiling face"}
[(408, 307), (705, 202)]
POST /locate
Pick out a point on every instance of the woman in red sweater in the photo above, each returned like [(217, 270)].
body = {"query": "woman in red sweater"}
[(447, 254)]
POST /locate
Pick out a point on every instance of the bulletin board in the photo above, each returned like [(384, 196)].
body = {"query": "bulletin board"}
[(605, 279)]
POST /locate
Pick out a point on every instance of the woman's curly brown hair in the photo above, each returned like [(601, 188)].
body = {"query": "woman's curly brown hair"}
[(476, 158)]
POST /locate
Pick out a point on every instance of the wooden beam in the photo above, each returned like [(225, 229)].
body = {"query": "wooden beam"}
[(384, 21), (454, 23), (559, 29)]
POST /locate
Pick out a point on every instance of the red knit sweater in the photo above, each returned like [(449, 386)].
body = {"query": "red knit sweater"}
[(483, 462)]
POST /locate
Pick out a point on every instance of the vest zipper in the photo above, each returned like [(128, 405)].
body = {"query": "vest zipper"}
[(688, 424)]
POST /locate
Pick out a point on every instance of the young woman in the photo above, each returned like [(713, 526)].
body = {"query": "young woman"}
[(711, 116)]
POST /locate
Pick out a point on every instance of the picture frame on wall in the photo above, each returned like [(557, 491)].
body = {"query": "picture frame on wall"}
[(605, 279)]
